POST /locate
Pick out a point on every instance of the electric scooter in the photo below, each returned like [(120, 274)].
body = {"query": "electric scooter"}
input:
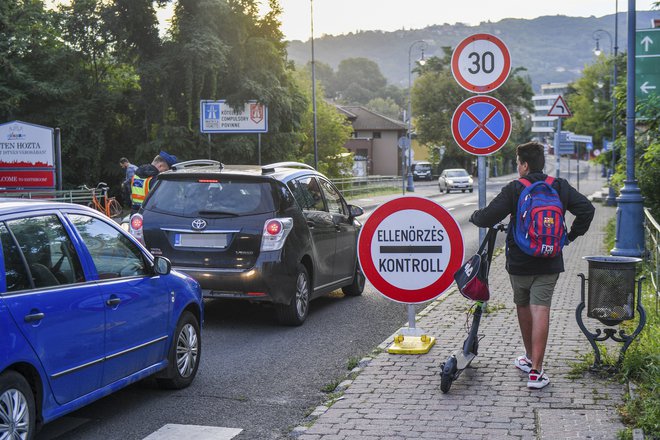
[(461, 359)]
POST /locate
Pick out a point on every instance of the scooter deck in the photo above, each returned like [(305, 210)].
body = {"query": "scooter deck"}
[(462, 360)]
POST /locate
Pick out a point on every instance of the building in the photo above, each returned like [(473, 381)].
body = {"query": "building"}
[(376, 138), (543, 126)]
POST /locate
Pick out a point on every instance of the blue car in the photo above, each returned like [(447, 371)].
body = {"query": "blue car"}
[(85, 310)]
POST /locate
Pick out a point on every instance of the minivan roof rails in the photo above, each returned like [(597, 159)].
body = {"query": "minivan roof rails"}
[(197, 163), (271, 167)]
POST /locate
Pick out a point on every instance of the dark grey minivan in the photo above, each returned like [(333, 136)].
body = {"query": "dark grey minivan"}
[(281, 233)]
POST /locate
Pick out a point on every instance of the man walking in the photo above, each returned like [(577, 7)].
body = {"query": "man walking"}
[(534, 273), (126, 184)]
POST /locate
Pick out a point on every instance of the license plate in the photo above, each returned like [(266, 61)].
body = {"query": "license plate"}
[(201, 240)]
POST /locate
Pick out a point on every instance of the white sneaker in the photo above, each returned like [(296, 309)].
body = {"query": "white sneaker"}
[(523, 363), (537, 380)]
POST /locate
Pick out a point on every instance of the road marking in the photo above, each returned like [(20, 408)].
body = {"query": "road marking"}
[(177, 432), (468, 204)]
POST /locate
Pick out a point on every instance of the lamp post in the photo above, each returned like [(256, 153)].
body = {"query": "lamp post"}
[(316, 145), (611, 196), (630, 210), (422, 43)]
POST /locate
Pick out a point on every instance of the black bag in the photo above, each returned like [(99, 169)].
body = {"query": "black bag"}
[(472, 277)]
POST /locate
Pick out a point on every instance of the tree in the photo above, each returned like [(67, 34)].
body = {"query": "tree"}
[(359, 80), (333, 131), (385, 106)]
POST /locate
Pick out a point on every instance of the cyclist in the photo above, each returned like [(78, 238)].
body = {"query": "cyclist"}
[(140, 183)]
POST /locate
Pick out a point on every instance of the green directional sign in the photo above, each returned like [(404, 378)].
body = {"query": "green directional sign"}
[(647, 63)]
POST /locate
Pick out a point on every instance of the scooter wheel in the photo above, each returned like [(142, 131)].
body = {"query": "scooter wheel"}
[(448, 373)]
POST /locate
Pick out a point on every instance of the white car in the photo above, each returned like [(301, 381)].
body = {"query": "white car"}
[(455, 179)]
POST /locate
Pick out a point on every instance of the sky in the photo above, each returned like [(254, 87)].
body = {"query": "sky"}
[(335, 17)]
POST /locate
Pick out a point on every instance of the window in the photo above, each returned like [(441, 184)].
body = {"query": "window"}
[(190, 198), (335, 203), (307, 193), (16, 275), (114, 255), (51, 257), (376, 135)]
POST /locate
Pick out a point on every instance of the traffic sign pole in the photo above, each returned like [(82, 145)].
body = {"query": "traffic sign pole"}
[(481, 175), (557, 155)]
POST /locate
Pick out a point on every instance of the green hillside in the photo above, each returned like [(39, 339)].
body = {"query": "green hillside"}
[(552, 48)]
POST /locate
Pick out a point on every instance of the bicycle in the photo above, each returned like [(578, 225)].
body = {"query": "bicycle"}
[(102, 202)]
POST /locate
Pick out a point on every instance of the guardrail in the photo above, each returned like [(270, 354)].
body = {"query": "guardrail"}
[(353, 187), (652, 229), (80, 196)]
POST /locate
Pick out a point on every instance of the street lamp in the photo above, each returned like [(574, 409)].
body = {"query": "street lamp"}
[(611, 196), (423, 45), (316, 145)]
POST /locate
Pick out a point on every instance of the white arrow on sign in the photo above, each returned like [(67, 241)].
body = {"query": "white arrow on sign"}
[(646, 41), (646, 87)]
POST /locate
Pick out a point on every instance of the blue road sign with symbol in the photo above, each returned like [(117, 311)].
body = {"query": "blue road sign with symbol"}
[(481, 125)]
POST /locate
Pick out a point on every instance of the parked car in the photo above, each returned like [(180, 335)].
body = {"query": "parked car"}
[(281, 234), (455, 178), (85, 310), (422, 171)]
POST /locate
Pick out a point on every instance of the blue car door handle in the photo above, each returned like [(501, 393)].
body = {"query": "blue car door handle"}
[(32, 317), (113, 301)]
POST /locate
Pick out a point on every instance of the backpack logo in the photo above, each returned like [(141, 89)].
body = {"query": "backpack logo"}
[(548, 222), (540, 229)]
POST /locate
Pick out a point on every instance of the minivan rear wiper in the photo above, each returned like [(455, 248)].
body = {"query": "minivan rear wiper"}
[(209, 212)]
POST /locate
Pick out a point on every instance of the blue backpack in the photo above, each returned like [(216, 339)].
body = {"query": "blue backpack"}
[(540, 229)]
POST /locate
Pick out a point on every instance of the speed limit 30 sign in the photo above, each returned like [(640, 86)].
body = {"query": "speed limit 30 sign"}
[(410, 248), (481, 63)]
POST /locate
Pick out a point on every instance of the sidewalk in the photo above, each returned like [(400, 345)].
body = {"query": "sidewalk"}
[(399, 397)]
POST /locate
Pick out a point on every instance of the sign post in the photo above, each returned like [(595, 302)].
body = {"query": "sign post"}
[(409, 249), (560, 110), (218, 117), (480, 64)]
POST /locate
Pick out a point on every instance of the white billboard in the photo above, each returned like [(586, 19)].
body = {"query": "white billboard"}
[(219, 117), (27, 159)]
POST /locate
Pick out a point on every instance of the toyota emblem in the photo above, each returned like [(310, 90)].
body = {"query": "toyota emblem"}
[(198, 224)]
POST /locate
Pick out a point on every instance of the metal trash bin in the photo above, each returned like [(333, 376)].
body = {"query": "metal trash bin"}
[(611, 290), (611, 300)]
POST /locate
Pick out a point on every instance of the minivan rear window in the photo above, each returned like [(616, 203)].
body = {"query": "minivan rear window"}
[(208, 198)]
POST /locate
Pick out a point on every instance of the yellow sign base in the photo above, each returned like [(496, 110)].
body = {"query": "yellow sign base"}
[(411, 344)]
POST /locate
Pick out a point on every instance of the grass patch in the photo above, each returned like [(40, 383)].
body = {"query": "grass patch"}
[(352, 363), (610, 235), (641, 364), (329, 388)]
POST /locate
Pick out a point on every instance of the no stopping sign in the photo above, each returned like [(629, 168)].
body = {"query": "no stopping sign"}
[(410, 248)]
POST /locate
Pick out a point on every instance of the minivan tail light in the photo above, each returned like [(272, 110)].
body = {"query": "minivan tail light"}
[(275, 232)]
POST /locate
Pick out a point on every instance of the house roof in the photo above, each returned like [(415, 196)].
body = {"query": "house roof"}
[(365, 119)]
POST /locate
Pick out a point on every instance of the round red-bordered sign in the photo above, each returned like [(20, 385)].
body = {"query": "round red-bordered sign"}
[(410, 248), (481, 63), (481, 125)]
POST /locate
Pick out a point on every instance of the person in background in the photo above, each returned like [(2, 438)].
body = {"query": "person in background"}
[(533, 279), (141, 182), (126, 184)]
